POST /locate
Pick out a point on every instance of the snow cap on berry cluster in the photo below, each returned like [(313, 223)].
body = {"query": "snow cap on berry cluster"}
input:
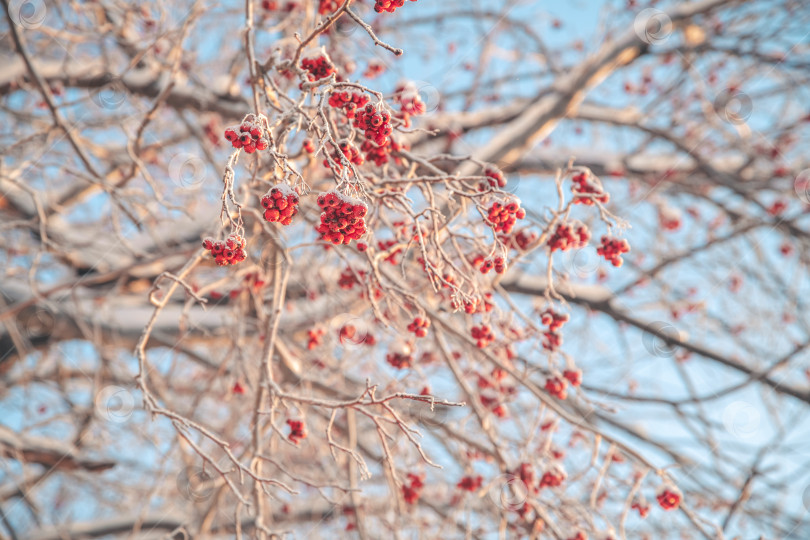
[(231, 251), (250, 135), (343, 217), (280, 204)]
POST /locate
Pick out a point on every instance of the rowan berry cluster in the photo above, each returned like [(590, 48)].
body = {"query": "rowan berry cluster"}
[(552, 341), (411, 104), (587, 191), (349, 151), (399, 360), (380, 154), (350, 102), (375, 123), (348, 279), (669, 497), (553, 320), (280, 204), (231, 251), (525, 472), (348, 332), (407, 95), (520, 241), (777, 208), (249, 135), (374, 69), (419, 327), (471, 483), (327, 7), (552, 478), (318, 68), (579, 536), (413, 489), (669, 219), (496, 376), (502, 217), (342, 219), (385, 246), (498, 263), (574, 376), (494, 404), (475, 306), (612, 250), (315, 338), (388, 5), (569, 236), (643, 509), (557, 387), (482, 335), (297, 431), (495, 179)]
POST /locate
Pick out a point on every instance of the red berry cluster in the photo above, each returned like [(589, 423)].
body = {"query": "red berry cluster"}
[(399, 360), (482, 335), (612, 250), (553, 320), (552, 478), (519, 241), (348, 278), (471, 483), (777, 208), (388, 5), (315, 338), (231, 251), (584, 185), (498, 263), (502, 217), (375, 123), (374, 68), (385, 246), (669, 218), (495, 179), (280, 204), (269, 5), (318, 68), (669, 497), (350, 102), (411, 104), (569, 236), (494, 404), (249, 136), (552, 339), (574, 376), (419, 327), (342, 218), (379, 154), (348, 332), (413, 489), (349, 151), (557, 387), (643, 509), (525, 472), (496, 376), (579, 536), (475, 306), (297, 431), (328, 6)]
